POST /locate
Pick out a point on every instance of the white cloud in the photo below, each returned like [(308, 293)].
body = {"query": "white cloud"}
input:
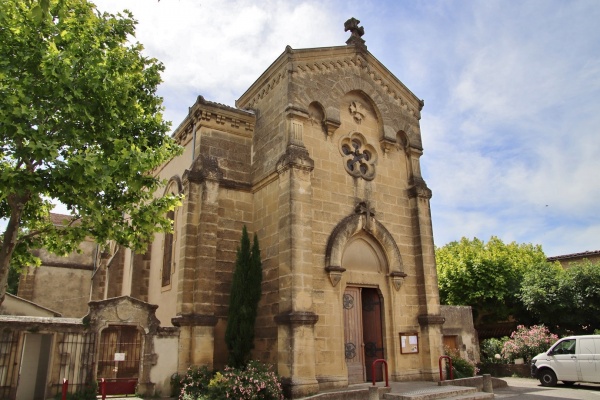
[(512, 93), (219, 48)]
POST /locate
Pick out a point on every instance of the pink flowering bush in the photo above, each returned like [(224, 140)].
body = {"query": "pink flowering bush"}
[(192, 384), (526, 342), (255, 382)]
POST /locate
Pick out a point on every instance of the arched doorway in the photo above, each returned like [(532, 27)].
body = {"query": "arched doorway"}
[(362, 308)]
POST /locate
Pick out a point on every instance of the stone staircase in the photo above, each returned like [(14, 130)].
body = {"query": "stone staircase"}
[(442, 392)]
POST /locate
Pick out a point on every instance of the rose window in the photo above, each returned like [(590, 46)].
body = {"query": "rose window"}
[(359, 157)]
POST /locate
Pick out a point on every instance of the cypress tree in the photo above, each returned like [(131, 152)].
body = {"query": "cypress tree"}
[(243, 304)]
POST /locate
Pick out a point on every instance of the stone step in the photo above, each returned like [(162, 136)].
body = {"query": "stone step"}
[(472, 396), (443, 392)]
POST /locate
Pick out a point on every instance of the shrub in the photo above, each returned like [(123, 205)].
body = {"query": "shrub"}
[(462, 368), (526, 342), (191, 385), (256, 382), (490, 351)]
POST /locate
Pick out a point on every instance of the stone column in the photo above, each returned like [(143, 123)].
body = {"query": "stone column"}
[(195, 297), (429, 317), (296, 351)]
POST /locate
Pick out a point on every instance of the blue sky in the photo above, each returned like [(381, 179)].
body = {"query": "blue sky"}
[(511, 123)]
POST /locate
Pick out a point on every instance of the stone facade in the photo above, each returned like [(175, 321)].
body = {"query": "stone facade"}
[(320, 157)]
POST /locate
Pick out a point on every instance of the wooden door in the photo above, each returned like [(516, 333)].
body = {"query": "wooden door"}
[(353, 335), (451, 342), (120, 351), (372, 332)]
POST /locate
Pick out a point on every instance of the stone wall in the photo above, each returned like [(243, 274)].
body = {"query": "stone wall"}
[(459, 323), (60, 283)]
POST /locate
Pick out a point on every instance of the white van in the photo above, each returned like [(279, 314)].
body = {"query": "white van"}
[(571, 359)]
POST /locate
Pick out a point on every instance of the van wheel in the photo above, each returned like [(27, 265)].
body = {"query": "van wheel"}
[(568, 383), (547, 378)]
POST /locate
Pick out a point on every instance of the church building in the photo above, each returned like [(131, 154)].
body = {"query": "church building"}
[(320, 157)]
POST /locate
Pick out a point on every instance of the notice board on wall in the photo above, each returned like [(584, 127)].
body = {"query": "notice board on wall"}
[(409, 343)]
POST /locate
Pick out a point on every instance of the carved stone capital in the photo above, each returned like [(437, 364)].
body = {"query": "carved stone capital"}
[(419, 189), (397, 279), (194, 320), (331, 125), (335, 274), (204, 168), (387, 145), (297, 318), (295, 157)]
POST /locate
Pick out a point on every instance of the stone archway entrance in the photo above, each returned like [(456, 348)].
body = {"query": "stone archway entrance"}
[(363, 333)]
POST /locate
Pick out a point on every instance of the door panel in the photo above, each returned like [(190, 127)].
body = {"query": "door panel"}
[(34, 367), (451, 342), (565, 360), (587, 354), (372, 332), (120, 350), (353, 338)]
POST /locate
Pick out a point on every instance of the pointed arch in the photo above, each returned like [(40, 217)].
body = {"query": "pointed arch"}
[(349, 227)]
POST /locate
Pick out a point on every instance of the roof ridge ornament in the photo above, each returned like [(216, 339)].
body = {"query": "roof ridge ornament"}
[(356, 32)]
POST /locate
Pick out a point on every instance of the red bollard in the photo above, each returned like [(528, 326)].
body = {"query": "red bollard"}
[(65, 387), (380, 360), (440, 365), (103, 388)]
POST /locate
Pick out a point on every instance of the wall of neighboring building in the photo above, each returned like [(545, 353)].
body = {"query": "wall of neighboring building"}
[(14, 305), (568, 259), (165, 348), (61, 283), (460, 330)]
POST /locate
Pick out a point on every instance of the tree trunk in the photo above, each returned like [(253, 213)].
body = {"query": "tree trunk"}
[(9, 242)]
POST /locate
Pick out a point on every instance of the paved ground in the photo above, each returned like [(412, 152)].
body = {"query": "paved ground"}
[(530, 389), (518, 388)]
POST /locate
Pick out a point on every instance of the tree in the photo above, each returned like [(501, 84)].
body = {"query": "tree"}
[(80, 124), (485, 276), (567, 300), (243, 303), (12, 285)]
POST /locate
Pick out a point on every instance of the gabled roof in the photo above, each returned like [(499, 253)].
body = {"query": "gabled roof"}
[(15, 305), (353, 55), (575, 255)]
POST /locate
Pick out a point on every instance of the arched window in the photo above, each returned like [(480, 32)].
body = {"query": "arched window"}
[(168, 253)]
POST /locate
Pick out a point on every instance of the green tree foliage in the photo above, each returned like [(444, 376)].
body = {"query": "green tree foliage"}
[(246, 291), (14, 276), (485, 276), (568, 300), (81, 124)]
